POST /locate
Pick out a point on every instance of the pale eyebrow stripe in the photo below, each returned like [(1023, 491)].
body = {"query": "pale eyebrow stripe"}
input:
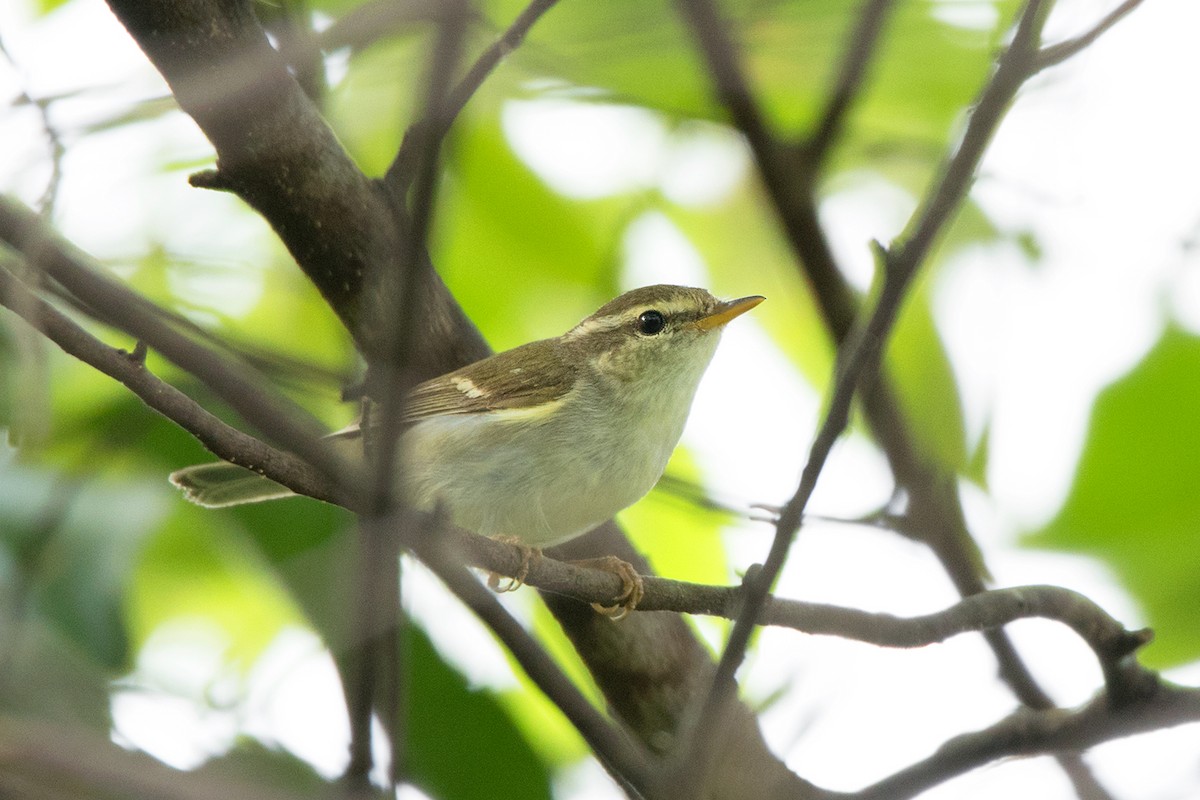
[(614, 321)]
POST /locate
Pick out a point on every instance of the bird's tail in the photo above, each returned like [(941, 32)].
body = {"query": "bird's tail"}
[(223, 484)]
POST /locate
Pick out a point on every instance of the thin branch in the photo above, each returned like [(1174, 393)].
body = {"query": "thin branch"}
[(58, 150), (223, 440), (1054, 54), (400, 174), (859, 52), (1031, 732), (859, 357), (628, 762), (1107, 638), (934, 502), (282, 421), (379, 676), (510, 40)]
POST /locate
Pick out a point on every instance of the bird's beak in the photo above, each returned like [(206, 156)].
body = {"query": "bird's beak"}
[(726, 311)]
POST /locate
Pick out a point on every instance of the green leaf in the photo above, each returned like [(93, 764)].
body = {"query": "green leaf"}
[(196, 567), (72, 547), (251, 763), (756, 260), (525, 262), (461, 743), (1135, 501), (924, 380), (309, 547), (44, 7), (681, 539)]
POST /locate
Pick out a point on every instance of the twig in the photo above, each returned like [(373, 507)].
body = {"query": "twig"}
[(223, 440), (859, 51), (400, 174), (283, 422), (380, 676), (46, 202), (1030, 732), (1058, 53), (860, 354)]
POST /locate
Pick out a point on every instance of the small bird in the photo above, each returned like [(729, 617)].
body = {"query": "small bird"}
[(542, 443)]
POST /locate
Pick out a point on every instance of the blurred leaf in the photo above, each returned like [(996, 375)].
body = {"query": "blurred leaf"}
[(253, 763), (72, 547), (642, 53), (681, 539), (461, 744), (308, 545), (45, 674), (373, 104), (542, 723), (924, 381), (66, 552), (525, 262), (976, 470), (46, 6), (195, 567), (1135, 502), (745, 254)]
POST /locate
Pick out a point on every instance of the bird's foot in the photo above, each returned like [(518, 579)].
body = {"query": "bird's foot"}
[(632, 586), (510, 583)]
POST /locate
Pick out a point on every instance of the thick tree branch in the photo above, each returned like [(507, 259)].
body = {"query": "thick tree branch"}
[(276, 152)]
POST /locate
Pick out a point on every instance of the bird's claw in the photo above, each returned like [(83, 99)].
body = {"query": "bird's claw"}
[(632, 586), (510, 583)]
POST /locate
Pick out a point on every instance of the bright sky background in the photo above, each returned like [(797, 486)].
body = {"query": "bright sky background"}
[(1099, 158)]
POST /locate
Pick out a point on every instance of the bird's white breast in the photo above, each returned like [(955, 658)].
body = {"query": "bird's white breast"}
[(547, 474)]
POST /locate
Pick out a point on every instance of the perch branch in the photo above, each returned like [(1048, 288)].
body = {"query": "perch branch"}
[(1107, 638)]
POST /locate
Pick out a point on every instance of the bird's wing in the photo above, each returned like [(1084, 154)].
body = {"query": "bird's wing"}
[(503, 381)]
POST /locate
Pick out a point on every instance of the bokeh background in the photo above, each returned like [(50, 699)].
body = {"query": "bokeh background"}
[(1049, 356)]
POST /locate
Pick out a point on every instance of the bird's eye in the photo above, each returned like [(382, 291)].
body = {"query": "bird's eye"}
[(651, 322)]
